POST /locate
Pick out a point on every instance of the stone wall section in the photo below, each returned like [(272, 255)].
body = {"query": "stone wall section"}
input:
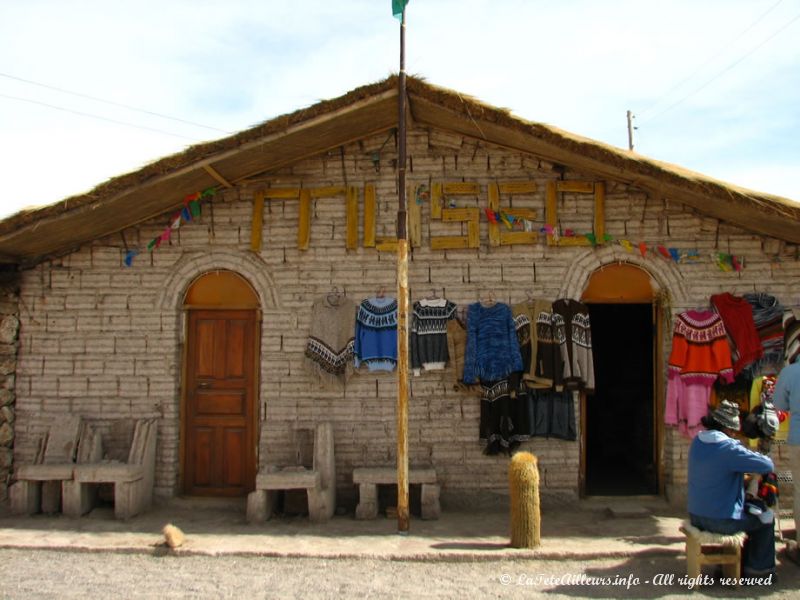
[(9, 329), (106, 341)]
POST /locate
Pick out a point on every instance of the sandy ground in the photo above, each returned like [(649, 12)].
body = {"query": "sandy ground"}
[(48, 574), (586, 552)]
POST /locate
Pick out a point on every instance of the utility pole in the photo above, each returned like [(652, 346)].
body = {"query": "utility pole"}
[(402, 297), (630, 130)]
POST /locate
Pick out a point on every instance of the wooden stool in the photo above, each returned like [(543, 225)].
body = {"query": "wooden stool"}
[(707, 548)]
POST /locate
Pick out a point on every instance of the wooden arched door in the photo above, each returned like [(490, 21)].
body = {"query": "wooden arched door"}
[(220, 406)]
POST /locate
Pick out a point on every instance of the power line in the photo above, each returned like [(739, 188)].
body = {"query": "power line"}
[(711, 58), (721, 73), (111, 102), (91, 116)]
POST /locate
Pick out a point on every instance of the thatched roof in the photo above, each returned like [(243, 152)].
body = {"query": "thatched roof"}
[(32, 235)]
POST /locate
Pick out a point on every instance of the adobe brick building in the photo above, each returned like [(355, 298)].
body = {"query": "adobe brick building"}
[(307, 202)]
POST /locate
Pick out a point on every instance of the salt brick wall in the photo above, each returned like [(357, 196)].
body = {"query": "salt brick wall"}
[(106, 341)]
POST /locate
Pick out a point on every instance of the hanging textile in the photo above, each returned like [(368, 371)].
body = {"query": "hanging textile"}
[(428, 334), (492, 355), (768, 319), (700, 354), (376, 334), (526, 321), (549, 368), (572, 332), (554, 414), (330, 346), (737, 316), (492, 348), (791, 337)]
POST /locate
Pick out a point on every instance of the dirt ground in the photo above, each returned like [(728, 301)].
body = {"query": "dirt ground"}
[(57, 574)]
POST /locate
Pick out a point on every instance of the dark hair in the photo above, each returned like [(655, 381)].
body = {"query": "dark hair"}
[(712, 424)]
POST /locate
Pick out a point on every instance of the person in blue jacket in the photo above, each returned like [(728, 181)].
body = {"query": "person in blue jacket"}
[(717, 464), (787, 397)]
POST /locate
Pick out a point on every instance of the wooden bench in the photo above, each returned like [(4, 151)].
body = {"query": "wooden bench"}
[(708, 548), (369, 478)]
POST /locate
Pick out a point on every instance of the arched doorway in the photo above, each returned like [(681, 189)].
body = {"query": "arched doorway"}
[(619, 422), (219, 415)]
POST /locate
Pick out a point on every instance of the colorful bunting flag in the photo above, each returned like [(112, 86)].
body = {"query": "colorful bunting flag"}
[(189, 211), (690, 256), (129, 256)]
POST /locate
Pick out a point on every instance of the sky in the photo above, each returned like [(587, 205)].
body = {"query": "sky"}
[(90, 90)]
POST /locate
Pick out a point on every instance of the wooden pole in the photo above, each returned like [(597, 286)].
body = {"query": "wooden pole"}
[(402, 298)]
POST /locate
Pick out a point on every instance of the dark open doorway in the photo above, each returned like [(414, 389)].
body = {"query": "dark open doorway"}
[(620, 424)]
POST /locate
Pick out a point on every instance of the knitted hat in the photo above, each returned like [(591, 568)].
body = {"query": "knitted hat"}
[(726, 414)]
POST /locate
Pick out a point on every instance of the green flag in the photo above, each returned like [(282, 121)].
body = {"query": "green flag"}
[(397, 8)]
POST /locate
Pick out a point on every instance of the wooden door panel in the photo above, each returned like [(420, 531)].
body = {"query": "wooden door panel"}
[(235, 358), (202, 455), (220, 404), (204, 347), (234, 443), (220, 408)]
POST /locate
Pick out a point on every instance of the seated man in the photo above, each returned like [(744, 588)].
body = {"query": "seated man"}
[(717, 464)]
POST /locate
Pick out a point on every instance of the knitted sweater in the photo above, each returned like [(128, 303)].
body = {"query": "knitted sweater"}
[(428, 334), (329, 349), (376, 334), (526, 315), (492, 348), (737, 316), (573, 335), (549, 368), (700, 354), (700, 351)]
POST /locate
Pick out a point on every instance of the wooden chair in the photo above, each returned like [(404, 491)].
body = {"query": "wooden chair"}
[(707, 548), (39, 485), (319, 482), (132, 481)]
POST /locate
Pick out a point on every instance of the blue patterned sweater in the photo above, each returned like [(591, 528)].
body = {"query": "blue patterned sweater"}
[(376, 334), (492, 349)]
